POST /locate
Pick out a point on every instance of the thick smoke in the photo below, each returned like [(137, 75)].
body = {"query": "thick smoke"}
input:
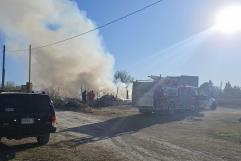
[(81, 62)]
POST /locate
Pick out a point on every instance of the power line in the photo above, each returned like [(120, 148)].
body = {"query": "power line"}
[(94, 29)]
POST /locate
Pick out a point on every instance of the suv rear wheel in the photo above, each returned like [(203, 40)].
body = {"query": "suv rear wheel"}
[(43, 139)]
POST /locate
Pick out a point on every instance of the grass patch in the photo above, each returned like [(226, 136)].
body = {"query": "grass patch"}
[(229, 136)]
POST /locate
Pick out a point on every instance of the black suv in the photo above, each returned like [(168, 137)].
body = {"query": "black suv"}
[(26, 115)]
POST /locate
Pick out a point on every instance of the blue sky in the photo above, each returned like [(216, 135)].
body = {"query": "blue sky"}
[(134, 40), (171, 38)]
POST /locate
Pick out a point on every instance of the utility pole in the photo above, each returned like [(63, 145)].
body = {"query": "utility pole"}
[(29, 67), (3, 68), (29, 84)]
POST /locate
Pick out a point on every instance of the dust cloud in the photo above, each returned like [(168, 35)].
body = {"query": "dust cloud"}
[(81, 62)]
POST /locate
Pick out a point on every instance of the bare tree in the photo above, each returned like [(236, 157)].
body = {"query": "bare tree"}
[(123, 77)]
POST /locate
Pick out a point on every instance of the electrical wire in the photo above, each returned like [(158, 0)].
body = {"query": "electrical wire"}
[(89, 31)]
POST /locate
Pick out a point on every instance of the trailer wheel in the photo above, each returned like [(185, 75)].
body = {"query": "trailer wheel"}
[(171, 108), (214, 106), (145, 111)]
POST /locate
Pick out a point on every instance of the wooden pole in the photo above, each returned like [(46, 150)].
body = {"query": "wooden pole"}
[(29, 84), (29, 60), (3, 68)]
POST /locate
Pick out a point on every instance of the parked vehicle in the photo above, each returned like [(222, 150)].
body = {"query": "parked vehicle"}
[(168, 94), (27, 115), (171, 100), (207, 103)]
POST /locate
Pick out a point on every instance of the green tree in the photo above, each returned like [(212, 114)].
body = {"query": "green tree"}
[(208, 89), (231, 91)]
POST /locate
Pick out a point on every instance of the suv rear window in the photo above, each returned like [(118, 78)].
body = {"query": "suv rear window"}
[(24, 103)]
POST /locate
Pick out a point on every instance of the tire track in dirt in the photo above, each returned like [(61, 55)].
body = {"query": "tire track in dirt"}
[(142, 147), (126, 136)]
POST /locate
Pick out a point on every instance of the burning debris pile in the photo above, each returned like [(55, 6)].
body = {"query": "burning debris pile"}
[(108, 100), (69, 103), (75, 104)]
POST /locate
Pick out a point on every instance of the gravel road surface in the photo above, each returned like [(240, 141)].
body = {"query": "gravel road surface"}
[(121, 133)]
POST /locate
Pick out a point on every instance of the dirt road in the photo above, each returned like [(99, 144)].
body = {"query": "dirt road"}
[(122, 133)]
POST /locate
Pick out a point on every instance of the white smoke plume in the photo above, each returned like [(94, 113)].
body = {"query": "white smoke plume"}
[(81, 62)]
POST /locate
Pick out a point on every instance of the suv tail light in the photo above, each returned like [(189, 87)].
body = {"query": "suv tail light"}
[(54, 119)]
